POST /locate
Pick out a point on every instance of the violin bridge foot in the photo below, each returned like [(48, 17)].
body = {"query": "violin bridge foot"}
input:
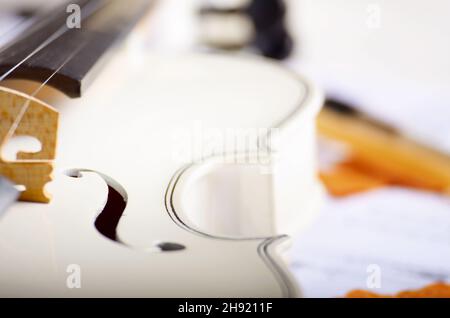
[(33, 176)]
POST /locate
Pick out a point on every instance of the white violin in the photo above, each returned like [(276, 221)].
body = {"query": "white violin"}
[(174, 176)]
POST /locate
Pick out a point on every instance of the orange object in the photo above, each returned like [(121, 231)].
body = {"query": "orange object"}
[(382, 155), (357, 175), (345, 180), (436, 290)]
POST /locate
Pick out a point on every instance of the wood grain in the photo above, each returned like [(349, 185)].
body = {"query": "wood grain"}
[(32, 170)]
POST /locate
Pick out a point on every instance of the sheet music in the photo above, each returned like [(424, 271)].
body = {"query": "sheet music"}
[(404, 232)]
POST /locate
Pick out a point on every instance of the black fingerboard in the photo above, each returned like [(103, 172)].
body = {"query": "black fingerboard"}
[(70, 57)]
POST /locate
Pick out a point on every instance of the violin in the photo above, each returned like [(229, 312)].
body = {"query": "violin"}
[(154, 175)]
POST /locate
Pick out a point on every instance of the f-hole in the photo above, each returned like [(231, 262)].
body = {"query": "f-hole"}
[(107, 221)]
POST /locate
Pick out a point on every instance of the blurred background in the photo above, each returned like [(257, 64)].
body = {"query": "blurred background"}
[(384, 133)]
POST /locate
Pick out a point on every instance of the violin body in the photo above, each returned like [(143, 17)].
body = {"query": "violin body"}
[(175, 176)]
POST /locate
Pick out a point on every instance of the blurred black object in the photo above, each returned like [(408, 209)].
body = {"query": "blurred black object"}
[(340, 107), (352, 111), (271, 36)]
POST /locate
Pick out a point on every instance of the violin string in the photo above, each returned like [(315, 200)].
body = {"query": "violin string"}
[(49, 40), (38, 24), (89, 9), (23, 20), (26, 105)]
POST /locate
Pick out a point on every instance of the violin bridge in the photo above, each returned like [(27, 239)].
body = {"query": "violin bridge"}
[(23, 115)]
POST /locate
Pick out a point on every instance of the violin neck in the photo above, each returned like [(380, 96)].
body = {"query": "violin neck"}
[(55, 49)]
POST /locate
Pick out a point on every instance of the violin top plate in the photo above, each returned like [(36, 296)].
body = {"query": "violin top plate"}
[(157, 130)]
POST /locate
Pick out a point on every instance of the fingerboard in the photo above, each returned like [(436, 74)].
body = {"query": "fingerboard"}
[(70, 57)]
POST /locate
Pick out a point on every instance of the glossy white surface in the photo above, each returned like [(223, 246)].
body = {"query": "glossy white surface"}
[(130, 126)]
